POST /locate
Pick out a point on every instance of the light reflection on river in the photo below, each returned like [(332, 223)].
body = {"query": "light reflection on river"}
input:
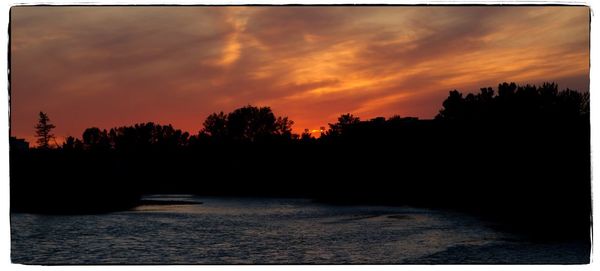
[(266, 230)]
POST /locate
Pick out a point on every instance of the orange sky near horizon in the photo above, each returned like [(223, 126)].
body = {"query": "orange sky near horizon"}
[(114, 66)]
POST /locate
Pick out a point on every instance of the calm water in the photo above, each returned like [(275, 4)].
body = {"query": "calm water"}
[(281, 231)]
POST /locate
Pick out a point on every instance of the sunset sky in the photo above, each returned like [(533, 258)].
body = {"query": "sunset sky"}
[(114, 66)]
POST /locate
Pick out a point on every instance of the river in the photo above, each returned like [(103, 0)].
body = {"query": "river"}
[(272, 231)]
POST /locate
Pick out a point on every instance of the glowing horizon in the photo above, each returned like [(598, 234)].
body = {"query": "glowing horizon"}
[(116, 66)]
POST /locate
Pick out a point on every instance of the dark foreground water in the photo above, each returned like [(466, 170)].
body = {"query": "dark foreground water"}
[(279, 231)]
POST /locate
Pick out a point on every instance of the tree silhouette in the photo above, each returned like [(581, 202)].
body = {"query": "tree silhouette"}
[(453, 106), (345, 121), (251, 123), (43, 131), (247, 124), (516, 104), (306, 136), (215, 126), (72, 143), (283, 127), (95, 139)]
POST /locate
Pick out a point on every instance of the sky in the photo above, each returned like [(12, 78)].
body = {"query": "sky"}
[(113, 66)]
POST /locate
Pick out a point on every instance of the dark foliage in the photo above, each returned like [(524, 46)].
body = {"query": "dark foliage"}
[(43, 131), (520, 157), (247, 124)]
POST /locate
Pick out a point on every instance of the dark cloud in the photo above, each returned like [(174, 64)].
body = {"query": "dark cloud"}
[(292, 28)]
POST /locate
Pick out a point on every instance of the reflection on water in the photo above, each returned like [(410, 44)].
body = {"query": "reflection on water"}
[(251, 230)]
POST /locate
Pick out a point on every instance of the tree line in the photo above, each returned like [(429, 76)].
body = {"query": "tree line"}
[(516, 154), (251, 124), (248, 124)]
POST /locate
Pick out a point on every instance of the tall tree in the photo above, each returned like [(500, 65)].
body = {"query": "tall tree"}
[(344, 123), (248, 123), (43, 131), (215, 126)]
